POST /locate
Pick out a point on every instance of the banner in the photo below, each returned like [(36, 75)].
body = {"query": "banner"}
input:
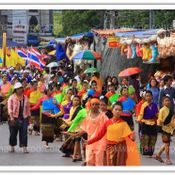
[(113, 42)]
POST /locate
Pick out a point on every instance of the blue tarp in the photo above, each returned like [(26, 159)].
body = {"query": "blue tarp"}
[(139, 33), (76, 36), (11, 43)]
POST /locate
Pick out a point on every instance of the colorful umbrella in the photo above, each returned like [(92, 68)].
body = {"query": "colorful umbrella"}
[(129, 71), (97, 55), (90, 70), (87, 55), (53, 64)]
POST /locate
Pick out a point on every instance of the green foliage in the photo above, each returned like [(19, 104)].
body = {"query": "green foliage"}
[(57, 23), (140, 18), (77, 21), (69, 22)]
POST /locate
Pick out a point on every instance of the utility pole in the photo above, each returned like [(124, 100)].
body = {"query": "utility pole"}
[(109, 19), (151, 19), (105, 25), (112, 19)]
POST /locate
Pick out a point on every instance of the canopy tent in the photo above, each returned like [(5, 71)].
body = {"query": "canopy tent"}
[(138, 33), (110, 32), (75, 37)]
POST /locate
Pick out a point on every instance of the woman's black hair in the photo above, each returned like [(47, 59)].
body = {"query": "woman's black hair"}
[(112, 84), (93, 82), (104, 99), (77, 96), (167, 78), (155, 81), (117, 104), (135, 76), (23, 79), (166, 97), (106, 79), (70, 89), (149, 92), (123, 87), (116, 79), (74, 80)]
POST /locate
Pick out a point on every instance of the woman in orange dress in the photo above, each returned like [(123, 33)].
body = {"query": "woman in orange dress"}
[(121, 150), (91, 125)]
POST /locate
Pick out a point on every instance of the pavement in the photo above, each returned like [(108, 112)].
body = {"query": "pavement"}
[(40, 156)]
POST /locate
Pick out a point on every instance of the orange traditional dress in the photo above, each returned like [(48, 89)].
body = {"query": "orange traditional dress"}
[(95, 151), (120, 149)]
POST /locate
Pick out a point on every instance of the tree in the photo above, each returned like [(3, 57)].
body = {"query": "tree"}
[(77, 21)]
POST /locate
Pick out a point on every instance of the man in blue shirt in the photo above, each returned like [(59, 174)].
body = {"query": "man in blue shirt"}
[(167, 91)]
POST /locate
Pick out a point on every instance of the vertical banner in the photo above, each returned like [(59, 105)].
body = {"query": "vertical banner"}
[(4, 45)]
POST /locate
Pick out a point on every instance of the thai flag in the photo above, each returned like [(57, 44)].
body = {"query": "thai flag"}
[(35, 58), (22, 53), (39, 55)]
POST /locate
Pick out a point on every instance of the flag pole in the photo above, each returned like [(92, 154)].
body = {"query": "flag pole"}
[(4, 45)]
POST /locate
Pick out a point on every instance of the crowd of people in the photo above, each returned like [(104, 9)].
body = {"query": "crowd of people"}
[(96, 120)]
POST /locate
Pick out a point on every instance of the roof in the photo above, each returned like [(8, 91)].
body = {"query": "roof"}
[(75, 37), (138, 33), (108, 32)]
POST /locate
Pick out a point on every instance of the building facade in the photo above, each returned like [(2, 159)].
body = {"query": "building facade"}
[(26, 26)]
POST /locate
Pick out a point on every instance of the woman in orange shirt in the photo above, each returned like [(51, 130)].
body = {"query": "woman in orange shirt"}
[(91, 125), (120, 148)]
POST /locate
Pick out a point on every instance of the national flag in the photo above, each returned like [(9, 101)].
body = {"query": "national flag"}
[(39, 55), (22, 53), (32, 58)]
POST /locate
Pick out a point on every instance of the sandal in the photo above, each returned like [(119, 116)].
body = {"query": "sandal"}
[(26, 152), (75, 160), (66, 155), (159, 159), (168, 162)]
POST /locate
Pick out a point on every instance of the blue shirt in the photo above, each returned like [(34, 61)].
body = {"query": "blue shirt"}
[(155, 91)]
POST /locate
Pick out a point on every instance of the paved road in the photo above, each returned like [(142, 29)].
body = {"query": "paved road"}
[(40, 156)]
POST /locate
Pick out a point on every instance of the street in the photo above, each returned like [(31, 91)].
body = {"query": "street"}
[(39, 156)]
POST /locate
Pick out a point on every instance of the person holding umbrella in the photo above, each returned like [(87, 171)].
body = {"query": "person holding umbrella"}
[(132, 72), (135, 83), (19, 112)]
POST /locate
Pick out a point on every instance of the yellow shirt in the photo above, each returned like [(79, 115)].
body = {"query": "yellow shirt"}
[(118, 132), (163, 113), (35, 96), (140, 116)]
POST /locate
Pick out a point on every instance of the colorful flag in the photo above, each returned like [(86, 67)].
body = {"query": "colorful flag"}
[(39, 55), (22, 53), (60, 53)]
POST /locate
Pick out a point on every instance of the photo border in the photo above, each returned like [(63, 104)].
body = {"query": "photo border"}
[(80, 169)]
